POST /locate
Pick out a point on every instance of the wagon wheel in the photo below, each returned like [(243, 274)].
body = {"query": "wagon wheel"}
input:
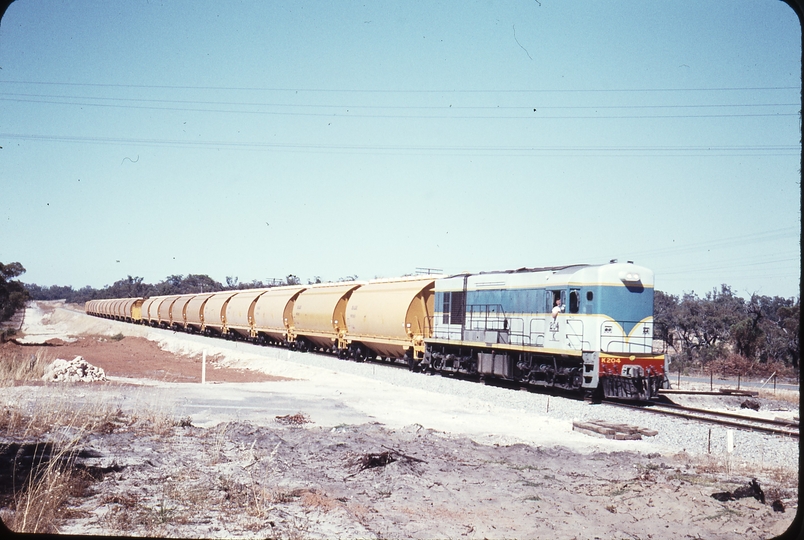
[(410, 361), (359, 354)]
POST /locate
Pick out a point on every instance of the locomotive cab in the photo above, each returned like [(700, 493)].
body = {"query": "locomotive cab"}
[(622, 363)]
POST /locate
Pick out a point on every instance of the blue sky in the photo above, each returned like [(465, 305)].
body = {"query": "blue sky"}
[(259, 139)]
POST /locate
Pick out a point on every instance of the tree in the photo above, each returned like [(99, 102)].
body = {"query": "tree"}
[(789, 318), (292, 280), (665, 314), (704, 324), (747, 334), (130, 287), (13, 294)]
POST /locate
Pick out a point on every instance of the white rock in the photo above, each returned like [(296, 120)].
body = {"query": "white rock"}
[(75, 370)]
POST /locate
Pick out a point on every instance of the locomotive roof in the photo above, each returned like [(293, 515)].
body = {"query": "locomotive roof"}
[(557, 269)]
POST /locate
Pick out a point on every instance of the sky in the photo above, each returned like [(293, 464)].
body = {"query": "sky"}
[(331, 139)]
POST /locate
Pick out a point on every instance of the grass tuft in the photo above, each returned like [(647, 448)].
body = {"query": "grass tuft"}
[(55, 428), (17, 364)]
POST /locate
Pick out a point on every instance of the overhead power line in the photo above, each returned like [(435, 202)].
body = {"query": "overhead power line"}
[(402, 91), (635, 151), (529, 107), (347, 115), (528, 111), (720, 243)]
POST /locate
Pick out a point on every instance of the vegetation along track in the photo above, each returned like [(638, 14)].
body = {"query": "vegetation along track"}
[(777, 427)]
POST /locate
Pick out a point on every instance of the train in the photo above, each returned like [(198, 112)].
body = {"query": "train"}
[(581, 328)]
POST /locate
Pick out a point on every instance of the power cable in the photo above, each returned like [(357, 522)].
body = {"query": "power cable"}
[(666, 151), (410, 117), (391, 107), (386, 91)]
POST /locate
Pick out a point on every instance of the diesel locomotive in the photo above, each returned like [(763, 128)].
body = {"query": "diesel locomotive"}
[(580, 328)]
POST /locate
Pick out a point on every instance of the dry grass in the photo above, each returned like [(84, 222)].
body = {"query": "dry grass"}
[(59, 424), (782, 477), (790, 396), (55, 425), (38, 503), (18, 364), (59, 418)]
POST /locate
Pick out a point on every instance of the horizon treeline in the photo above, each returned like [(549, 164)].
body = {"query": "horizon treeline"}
[(135, 287)]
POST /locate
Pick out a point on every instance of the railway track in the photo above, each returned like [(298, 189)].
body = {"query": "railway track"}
[(739, 421)]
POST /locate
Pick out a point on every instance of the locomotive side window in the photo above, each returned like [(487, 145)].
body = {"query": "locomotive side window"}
[(574, 300), (552, 296), (589, 295)]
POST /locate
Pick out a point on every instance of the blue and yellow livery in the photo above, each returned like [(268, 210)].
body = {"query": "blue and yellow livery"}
[(575, 327)]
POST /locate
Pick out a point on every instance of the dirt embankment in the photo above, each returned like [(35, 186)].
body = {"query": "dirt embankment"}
[(139, 358)]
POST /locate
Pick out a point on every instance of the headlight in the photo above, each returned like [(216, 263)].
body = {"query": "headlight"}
[(629, 277)]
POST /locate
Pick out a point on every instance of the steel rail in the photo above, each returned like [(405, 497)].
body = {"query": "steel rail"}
[(785, 423), (677, 411)]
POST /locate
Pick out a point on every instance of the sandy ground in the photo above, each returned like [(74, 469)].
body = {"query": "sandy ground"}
[(446, 467)]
